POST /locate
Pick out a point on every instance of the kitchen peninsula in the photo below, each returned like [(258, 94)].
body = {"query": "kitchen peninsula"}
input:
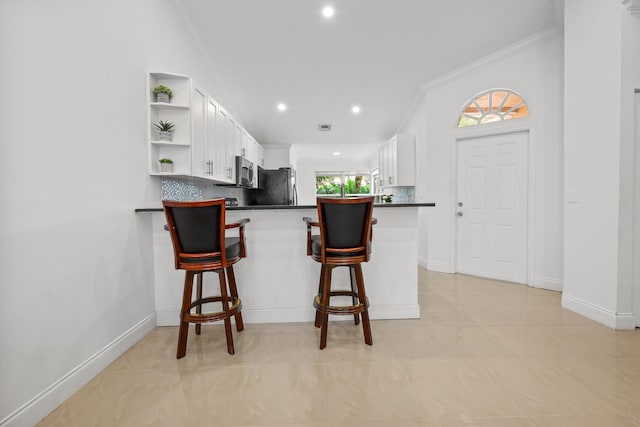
[(277, 281)]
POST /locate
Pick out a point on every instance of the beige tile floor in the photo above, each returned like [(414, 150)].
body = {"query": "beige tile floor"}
[(485, 353)]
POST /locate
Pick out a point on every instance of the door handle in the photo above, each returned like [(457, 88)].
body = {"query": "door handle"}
[(460, 213)]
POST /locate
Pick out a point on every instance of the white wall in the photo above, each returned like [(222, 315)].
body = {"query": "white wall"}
[(533, 69), (599, 153), (276, 157), (76, 269)]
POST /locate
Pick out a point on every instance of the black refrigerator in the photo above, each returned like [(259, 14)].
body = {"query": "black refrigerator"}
[(275, 187)]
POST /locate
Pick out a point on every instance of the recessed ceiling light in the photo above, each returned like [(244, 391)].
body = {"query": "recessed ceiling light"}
[(328, 12), (355, 109), (281, 107), (336, 153)]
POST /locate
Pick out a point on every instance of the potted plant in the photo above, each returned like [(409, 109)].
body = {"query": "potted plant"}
[(162, 93), (164, 129), (388, 198), (166, 165)]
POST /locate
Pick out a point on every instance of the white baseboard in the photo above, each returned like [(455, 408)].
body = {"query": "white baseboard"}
[(410, 311), (295, 315), (620, 321), (439, 266), (548, 283), (423, 262), (49, 399)]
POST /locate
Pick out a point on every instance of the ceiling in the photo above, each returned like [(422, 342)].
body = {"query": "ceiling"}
[(373, 53)]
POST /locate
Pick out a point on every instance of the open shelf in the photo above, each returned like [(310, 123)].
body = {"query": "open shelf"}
[(168, 105), (176, 111), (179, 144)]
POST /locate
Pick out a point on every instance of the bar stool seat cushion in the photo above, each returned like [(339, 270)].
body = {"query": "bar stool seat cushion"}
[(233, 250)]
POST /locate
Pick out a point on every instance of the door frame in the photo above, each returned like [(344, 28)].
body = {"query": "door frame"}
[(493, 129), (635, 273)]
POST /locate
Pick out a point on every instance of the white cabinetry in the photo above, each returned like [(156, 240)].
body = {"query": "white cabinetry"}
[(225, 155), (383, 165), (244, 142), (397, 162), (222, 170), (212, 139), (213, 145), (178, 112), (201, 151), (238, 148), (205, 147), (230, 149), (254, 151), (206, 138)]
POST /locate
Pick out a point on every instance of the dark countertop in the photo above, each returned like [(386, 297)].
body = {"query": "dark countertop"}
[(288, 207)]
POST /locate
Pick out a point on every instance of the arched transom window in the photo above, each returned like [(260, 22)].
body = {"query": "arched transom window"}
[(493, 105)]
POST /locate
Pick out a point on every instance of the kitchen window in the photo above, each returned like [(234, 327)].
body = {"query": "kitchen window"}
[(343, 184)]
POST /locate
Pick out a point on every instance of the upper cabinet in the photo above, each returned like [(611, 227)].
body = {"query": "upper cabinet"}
[(203, 143), (224, 174), (230, 151), (397, 162), (242, 143), (255, 154), (202, 138), (237, 140)]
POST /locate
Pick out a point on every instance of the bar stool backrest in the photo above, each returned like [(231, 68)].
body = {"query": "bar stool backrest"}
[(345, 228), (197, 231)]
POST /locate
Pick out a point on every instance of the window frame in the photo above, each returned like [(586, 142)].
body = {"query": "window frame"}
[(504, 116), (343, 176)]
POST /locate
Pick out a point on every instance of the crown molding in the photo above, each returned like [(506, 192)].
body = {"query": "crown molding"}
[(633, 6)]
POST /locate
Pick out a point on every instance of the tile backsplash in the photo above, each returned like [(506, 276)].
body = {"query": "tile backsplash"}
[(189, 189), (401, 194)]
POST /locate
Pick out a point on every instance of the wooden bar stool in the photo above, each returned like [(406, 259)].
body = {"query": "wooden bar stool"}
[(199, 244), (344, 241)]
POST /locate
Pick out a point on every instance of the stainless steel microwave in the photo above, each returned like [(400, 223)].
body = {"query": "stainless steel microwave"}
[(244, 172)]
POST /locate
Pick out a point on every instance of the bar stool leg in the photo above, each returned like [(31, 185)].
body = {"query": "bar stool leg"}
[(326, 292), (234, 296), (362, 296), (318, 320), (199, 298), (225, 306), (186, 307), (354, 299)]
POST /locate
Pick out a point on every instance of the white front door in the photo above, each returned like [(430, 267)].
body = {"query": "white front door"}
[(491, 209)]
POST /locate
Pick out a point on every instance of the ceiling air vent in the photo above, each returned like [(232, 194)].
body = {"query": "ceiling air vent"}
[(324, 128)]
